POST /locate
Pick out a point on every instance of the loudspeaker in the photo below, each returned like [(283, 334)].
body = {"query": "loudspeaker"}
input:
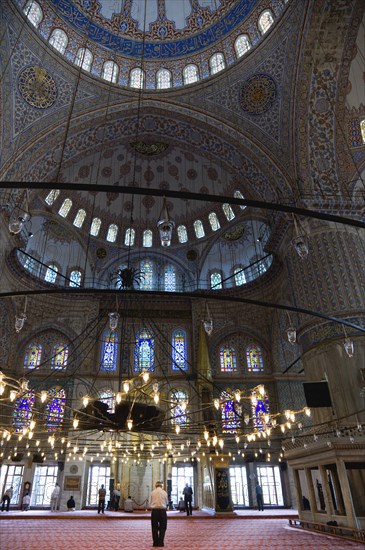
[(17, 458), (61, 466), (317, 394), (38, 459), (283, 466)]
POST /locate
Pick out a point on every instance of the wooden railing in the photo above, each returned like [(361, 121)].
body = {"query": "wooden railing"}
[(336, 530)]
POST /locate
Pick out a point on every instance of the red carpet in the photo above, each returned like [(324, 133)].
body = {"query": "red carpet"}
[(210, 534)]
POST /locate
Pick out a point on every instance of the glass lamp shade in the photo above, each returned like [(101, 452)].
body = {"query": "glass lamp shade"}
[(300, 244), (113, 320), (165, 228), (208, 326), (19, 321), (291, 334), (17, 220), (349, 347)]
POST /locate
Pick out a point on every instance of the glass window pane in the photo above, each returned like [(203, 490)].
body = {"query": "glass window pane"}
[(181, 475), (239, 485), (112, 233), (216, 63), (163, 79), (136, 78), (110, 71), (65, 208), (11, 476), (190, 74), (239, 276), (84, 59), (60, 356), (75, 278), (45, 479), (270, 481), (228, 359), (33, 12), (179, 401), (362, 127), (130, 235), (109, 350), (52, 196), (265, 21), (79, 218), (147, 238), (230, 413), (51, 274), (228, 212), (179, 350), (216, 281), (144, 351), (199, 229), (95, 227), (254, 359), (214, 222), (182, 234), (55, 409), (98, 475), (59, 40), (238, 195), (170, 278), (146, 268), (242, 45)]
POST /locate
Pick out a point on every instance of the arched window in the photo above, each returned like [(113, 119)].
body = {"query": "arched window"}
[(59, 356), (108, 397), (228, 212), (170, 278), (230, 413), (362, 128), (190, 74), (110, 71), (146, 268), (164, 79), (228, 361), (216, 63), (239, 275), (84, 59), (29, 264), (52, 196), (34, 13), (147, 238), (260, 410), (55, 409), (214, 222), (95, 227), (144, 351), (109, 350), (130, 236), (179, 401), (136, 78), (254, 359), (182, 234), (32, 357), (23, 411), (199, 229), (179, 350), (216, 281), (242, 45), (238, 195), (79, 218), (51, 274), (59, 40), (65, 208), (112, 233), (266, 19), (75, 278)]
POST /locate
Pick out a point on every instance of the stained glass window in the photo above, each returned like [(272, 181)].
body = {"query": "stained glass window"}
[(34, 13), (182, 234), (136, 78), (109, 350), (60, 356), (190, 74), (32, 356), (55, 409), (254, 359), (108, 397), (260, 409), (164, 79), (230, 413), (23, 411), (239, 276), (84, 59), (178, 414), (265, 21), (362, 128), (130, 235), (52, 196), (228, 359), (110, 71), (179, 350), (144, 351), (242, 45), (65, 208), (112, 233), (228, 212), (238, 195), (214, 222), (146, 267), (216, 63), (59, 40), (51, 274), (216, 281), (170, 278), (95, 227), (199, 229), (75, 278), (79, 218), (147, 238)]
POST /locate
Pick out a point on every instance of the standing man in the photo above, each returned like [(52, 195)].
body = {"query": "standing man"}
[(7, 496), (116, 499), (260, 500), (188, 497), (158, 504), (102, 495), (54, 497)]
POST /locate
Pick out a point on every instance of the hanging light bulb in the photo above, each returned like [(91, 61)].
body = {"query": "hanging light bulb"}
[(216, 403), (75, 423), (261, 389), (43, 396), (237, 396), (215, 440), (19, 321), (145, 376), (165, 225), (156, 398), (307, 411), (2, 387), (85, 401), (126, 386), (113, 320), (221, 443), (177, 429), (206, 434), (118, 398), (13, 395), (349, 347)]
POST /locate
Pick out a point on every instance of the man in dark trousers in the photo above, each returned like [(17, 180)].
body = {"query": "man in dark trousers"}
[(158, 503), (102, 495), (259, 498), (188, 497)]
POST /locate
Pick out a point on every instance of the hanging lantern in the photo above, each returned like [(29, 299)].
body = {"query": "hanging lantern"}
[(19, 321), (113, 320), (165, 225), (300, 245), (349, 347), (291, 334), (18, 219), (208, 326)]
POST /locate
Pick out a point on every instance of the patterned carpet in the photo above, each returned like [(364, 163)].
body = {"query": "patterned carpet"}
[(210, 534)]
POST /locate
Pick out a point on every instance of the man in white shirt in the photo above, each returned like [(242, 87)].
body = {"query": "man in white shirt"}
[(128, 504), (54, 497), (158, 504)]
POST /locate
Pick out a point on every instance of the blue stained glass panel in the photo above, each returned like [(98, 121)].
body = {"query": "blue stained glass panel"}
[(32, 357), (228, 359), (260, 408), (178, 415), (55, 409), (229, 409), (60, 356), (109, 351), (179, 350), (23, 411), (254, 359), (144, 351)]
